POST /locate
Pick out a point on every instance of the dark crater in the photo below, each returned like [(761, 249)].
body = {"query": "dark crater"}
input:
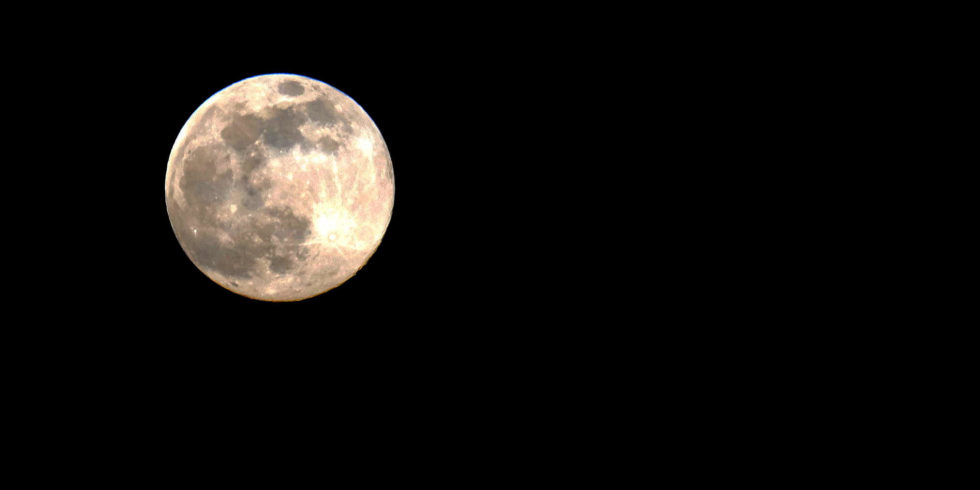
[(242, 131), (281, 264), (327, 144), (287, 226), (203, 187), (252, 198), (291, 88), (281, 129), (322, 111)]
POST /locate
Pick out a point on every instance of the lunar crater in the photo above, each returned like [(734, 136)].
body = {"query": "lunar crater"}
[(291, 87), (281, 128), (242, 131)]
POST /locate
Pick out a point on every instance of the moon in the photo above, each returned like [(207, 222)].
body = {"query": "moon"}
[(279, 187)]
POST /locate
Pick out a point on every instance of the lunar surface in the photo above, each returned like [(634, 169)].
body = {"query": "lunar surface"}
[(279, 187)]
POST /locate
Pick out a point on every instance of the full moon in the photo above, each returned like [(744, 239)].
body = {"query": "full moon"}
[(279, 187)]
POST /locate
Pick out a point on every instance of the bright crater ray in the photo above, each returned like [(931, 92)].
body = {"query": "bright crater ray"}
[(279, 187)]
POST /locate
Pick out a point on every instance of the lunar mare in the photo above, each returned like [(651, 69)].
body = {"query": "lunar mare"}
[(279, 187)]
